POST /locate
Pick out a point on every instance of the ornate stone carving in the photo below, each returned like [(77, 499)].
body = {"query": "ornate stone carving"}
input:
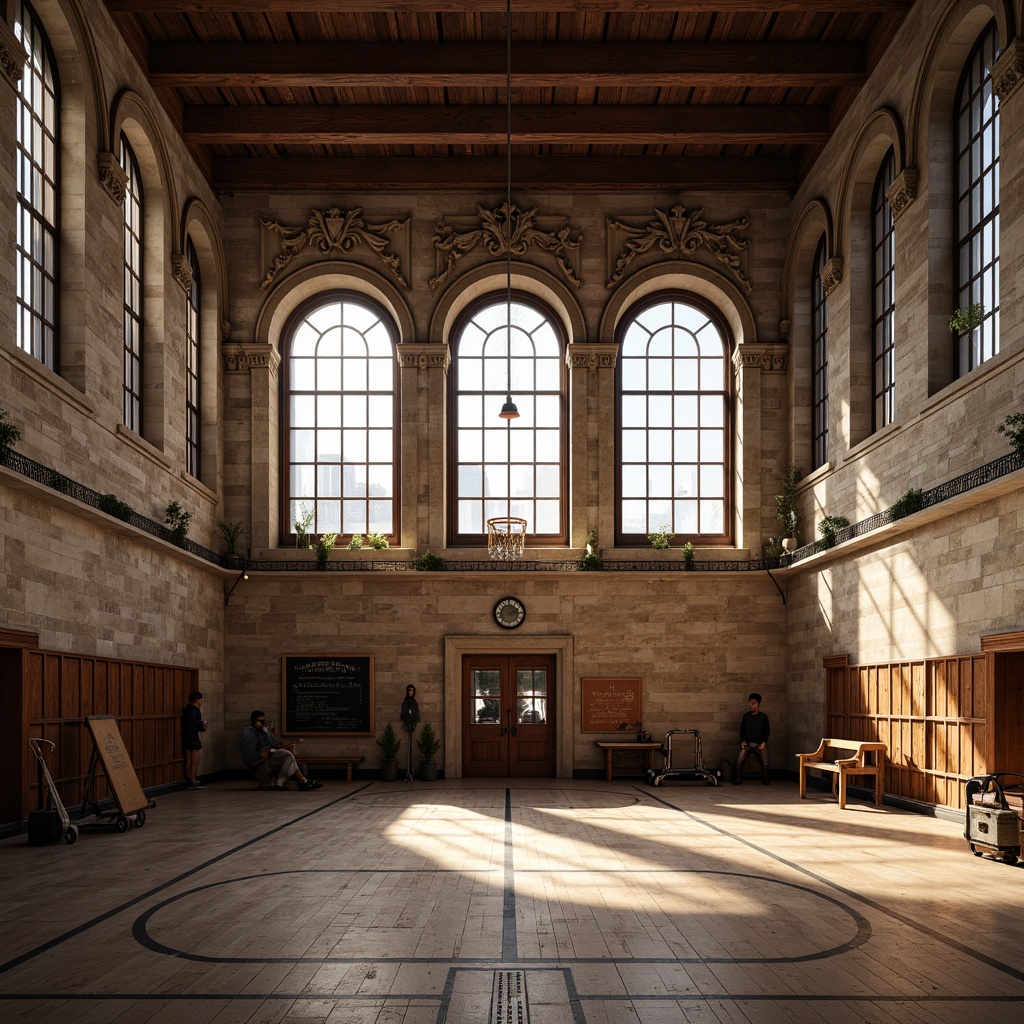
[(335, 232), (225, 330), (501, 230), (1008, 71), (676, 233), (752, 356), (112, 177), (250, 357), (181, 271), (784, 328), (831, 275), (591, 356), (902, 192), (423, 356), (12, 56)]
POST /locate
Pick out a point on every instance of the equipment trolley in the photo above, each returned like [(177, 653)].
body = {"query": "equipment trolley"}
[(995, 804), (50, 802)]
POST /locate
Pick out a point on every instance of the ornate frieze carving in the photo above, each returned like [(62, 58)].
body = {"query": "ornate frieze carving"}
[(1008, 71), (225, 330), (902, 192), (831, 275), (181, 271), (423, 356), (336, 232), (676, 234), (500, 231), (12, 56), (754, 356), (591, 356), (112, 177), (250, 357)]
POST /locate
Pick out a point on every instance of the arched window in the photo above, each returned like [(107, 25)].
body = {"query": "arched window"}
[(339, 421), (883, 302), (674, 435), (508, 467), (977, 200), (132, 316), (819, 360), (38, 111), (193, 305)]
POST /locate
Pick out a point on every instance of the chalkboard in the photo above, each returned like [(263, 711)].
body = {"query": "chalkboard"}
[(327, 694), (607, 703), (117, 765)]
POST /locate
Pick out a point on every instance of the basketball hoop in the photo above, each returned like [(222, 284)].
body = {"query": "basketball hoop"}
[(506, 536)]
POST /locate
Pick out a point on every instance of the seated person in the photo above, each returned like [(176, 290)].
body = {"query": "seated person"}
[(754, 731), (258, 745)]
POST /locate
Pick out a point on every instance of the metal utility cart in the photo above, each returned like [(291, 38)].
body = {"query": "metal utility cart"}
[(50, 802), (682, 759), (995, 805)]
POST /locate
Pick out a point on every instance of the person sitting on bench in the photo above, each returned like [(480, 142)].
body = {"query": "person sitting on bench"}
[(754, 731), (259, 745)]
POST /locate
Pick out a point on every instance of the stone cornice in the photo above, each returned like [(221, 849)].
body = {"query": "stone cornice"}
[(181, 271), (591, 356), (112, 177), (12, 56), (902, 192), (831, 275), (761, 356), (250, 357), (424, 355), (1008, 71)]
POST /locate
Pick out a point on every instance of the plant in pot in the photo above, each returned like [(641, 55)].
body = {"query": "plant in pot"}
[(323, 549), (231, 532), (390, 745), (591, 561), (428, 562), (773, 552), (303, 521), (660, 537), (177, 519), (10, 435), (356, 543), (428, 745), (377, 541), (906, 504), (785, 508), (688, 554), (830, 526), (1013, 428), (966, 318)]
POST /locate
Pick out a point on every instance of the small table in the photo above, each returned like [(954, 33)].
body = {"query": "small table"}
[(611, 748)]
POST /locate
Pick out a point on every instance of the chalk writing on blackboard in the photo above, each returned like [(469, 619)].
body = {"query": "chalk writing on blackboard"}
[(327, 694)]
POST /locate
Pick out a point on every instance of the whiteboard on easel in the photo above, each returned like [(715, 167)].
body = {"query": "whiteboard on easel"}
[(117, 765)]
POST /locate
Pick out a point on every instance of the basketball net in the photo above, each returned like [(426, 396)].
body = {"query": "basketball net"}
[(506, 537)]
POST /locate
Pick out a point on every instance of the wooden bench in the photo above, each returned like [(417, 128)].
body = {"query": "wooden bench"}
[(328, 759), (843, 767)]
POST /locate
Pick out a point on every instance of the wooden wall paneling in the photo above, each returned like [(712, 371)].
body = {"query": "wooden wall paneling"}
[(14, 755)]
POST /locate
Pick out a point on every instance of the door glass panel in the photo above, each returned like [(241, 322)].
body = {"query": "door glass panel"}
[(531, 696), (486, 702)]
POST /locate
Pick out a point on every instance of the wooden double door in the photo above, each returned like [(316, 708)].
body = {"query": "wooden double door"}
[(508, 706)]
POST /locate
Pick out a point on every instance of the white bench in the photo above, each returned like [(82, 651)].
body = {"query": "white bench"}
[(867, 759)]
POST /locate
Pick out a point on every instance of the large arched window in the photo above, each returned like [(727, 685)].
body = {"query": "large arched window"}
[(508, 467), (193, 306), (132, 309), (883, 300), (38, 113), (339, 421), (819, 360), (977, 200), (674, 435)]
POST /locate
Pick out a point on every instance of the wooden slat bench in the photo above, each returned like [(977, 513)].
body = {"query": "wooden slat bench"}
[(328, 759), (857, 764)]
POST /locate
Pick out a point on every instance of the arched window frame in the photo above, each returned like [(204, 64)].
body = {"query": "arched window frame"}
[(473, 410), (132, 320), (976, 163), (713, 455), (193, 364), (305, 481), (883, 295), (38, 188), (819, 359)]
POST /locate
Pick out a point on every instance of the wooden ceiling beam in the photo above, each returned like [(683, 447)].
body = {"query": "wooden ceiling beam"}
[(349, 174), (469, 125), (498, 6)]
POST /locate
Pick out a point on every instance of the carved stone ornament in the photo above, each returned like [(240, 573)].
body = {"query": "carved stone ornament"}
[(423, 356), (591, 356), (784, 328), (902, 192), (112, 177), (250, 357), (675, 234), (181, 271), (501, 230), (12, 56), (754, 356), (335, 232), (1008, 71), (831, 275)]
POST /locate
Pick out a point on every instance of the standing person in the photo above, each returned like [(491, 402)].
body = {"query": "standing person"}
[(258, 744), (754, 732), (192, 724), (410, 715)]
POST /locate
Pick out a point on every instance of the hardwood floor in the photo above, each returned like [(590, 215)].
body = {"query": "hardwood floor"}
[(471, 901)]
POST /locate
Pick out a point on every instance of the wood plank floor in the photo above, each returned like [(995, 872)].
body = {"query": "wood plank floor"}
[(541, 901)]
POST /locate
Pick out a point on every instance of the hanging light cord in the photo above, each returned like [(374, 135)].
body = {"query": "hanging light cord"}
[(508, 410)]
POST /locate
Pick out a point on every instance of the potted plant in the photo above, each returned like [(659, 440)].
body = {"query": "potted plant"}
[(390, 745), (428, 745), (114, 506), (688, 555), (1013, 428), (303, 521), (428, 562), (966, 318), (785, 508), (323, 549), (231, 532), (377, 541), (773, 552), (10, 435), (906, 504), (177, 519), (660, 537), (830, 526), (591, 561), (356, 543)]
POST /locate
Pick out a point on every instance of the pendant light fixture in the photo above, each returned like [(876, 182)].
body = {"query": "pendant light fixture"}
[(508, 410)]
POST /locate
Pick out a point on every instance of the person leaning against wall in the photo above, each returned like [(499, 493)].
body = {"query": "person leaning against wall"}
[(192, 724)]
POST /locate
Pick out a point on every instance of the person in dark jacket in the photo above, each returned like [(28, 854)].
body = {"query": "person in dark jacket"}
[(192, 724), (754, 732), (258, 744)]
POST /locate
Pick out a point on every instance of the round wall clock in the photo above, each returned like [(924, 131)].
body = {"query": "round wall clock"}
[(509, 612)]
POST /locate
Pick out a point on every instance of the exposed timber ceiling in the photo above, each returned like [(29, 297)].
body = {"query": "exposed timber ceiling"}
[(410, 94)]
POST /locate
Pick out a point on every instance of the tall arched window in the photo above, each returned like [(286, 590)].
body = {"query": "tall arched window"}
[(977, 200), (132, 311), (508, 467), (339, 422), (819, 360), (193, 304), (38, 110), (883, 302), (674, 435)]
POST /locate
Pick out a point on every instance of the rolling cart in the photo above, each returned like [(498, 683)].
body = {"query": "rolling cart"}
[(994, 815), (682, 761), (50, 823)]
